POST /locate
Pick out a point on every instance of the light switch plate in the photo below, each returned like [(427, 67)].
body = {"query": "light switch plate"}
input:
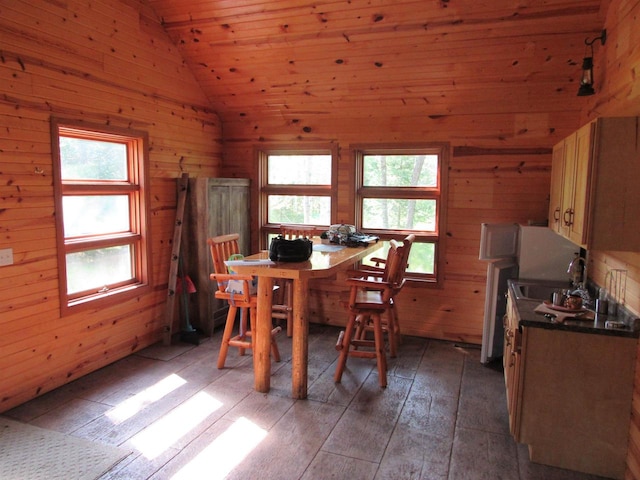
[(6, 256)]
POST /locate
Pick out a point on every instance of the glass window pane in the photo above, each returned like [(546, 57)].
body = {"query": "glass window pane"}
[(299, 209), (400, 171), (93, 269), (299, 169), (92, 160), (399, 214), (421, 257), (95, 214)]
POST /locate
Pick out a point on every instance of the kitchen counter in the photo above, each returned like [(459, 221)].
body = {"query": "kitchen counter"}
[(528, 317), (569, 385)]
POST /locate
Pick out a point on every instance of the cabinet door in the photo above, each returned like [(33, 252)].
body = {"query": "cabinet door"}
[(555, 197), (579, 226), (568, 184), (599, 182), (238, 209)]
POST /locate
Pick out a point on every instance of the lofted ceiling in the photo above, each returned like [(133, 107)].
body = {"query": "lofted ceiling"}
[(370, 58)]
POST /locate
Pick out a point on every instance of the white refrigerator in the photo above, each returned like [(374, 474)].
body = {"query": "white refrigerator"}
[(517, 251)]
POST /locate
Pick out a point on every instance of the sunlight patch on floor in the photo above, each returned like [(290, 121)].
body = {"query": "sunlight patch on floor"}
[(128, 408), (224, 453), (162, 434)]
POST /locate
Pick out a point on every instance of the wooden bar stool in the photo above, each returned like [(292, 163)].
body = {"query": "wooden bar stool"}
[(241, 297), (390, 322), (371, 298)]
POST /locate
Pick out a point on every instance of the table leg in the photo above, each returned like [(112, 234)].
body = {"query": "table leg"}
[(300, 340), (262, 336)]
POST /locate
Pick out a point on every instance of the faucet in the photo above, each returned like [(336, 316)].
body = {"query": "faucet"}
[(578, 273)]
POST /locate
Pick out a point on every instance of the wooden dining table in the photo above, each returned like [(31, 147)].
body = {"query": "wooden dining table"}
[(325, 261)]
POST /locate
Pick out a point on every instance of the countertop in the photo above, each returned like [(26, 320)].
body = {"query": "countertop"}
[(530, 318)]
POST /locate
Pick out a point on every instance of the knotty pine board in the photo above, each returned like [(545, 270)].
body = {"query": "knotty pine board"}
[(98, 80)]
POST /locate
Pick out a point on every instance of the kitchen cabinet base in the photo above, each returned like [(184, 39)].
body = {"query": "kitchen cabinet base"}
[(573, 457), (576, 399)]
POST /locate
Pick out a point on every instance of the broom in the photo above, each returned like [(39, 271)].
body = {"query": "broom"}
[(185, 286)]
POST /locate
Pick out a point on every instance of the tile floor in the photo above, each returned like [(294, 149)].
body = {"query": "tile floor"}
[(443, 416)]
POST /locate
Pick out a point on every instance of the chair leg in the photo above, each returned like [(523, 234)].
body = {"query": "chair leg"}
[(361, 330), (242, 334), (344, 348), (392, 333), (380, 353), (226, 336), (274, 349), (396, 323), (289, 303)]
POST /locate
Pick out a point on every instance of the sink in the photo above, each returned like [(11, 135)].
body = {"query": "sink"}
[(535, 291)]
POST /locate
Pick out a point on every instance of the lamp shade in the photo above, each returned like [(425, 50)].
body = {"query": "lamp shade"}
[(586, 81)]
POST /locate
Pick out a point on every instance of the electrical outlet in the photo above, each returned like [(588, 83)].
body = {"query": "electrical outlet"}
[(6, 256)]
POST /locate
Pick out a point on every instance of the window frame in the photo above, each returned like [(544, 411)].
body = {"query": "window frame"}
[(438, 193), (138, 191), (266, 189)]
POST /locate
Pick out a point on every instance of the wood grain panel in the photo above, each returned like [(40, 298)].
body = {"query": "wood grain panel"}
[(104, 67), (494, 79)]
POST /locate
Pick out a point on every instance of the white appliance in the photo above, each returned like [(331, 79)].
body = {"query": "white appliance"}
[(517, 251)]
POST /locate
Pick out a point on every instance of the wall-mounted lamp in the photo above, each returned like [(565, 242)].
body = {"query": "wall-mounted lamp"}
[(586, 81)]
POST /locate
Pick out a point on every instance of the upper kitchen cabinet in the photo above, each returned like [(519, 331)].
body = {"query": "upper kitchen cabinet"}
[(594, 179)]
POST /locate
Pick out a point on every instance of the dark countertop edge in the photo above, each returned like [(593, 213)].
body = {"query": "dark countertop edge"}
[(529, 318)]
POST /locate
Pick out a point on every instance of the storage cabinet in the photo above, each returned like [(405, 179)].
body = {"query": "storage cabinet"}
[(215, 206), (569, 395), (595, 173)]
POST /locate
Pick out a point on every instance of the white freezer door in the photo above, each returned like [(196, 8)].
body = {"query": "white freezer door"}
[(498, 240), (495, 307)]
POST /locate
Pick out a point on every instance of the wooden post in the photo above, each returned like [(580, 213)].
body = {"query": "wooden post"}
[(300, 339), (262, 336), (183, 183)]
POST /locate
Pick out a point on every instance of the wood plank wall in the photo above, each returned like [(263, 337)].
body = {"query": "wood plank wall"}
[(106, 62), (499, 172), (619, 95)]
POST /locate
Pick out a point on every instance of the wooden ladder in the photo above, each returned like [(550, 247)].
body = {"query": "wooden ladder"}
[(183, 184)]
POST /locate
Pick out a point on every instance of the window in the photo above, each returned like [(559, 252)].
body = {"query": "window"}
[(101, 213), (296, 188), (400, 191)]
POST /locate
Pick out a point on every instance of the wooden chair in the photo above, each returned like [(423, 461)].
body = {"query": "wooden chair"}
[(370, 298), (222, 248), (390, 322), (286, 286)]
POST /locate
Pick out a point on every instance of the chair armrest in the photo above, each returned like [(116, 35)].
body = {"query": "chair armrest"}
[(369, 284), (378, 261), (365, 272), (225, 277), (242, 292)]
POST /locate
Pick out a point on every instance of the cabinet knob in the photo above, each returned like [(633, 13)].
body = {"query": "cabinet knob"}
[(556, 215)]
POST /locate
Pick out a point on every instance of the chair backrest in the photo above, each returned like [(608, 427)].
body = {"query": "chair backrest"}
[(297, 231), (222, 247), (397, 261)]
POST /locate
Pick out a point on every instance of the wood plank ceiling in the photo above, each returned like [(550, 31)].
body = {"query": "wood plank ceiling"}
[(383, 57)]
